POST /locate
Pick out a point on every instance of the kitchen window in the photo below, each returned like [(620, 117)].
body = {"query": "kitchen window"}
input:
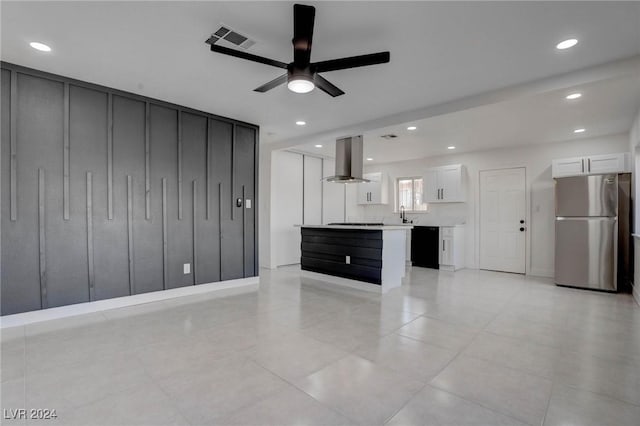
[(409, 191)]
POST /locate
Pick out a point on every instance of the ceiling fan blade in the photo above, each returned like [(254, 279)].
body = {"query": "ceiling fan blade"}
[(303, 18), (352, 62), (272, 84), (247, 56), (327, 87)]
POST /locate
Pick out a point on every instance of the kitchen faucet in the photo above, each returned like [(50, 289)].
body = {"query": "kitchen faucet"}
[(403, 215)]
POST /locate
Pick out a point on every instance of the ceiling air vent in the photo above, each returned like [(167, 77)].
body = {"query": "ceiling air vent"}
[(230, 37), (389, 136)]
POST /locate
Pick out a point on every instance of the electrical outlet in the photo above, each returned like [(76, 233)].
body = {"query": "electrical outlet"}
[(187, 268), (247, 203), (347, 260)]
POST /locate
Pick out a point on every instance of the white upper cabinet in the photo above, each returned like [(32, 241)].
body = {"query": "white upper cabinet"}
[(430, 186), (609, 163), (593, 164), (376, 191), (444, 184), (567, 167)]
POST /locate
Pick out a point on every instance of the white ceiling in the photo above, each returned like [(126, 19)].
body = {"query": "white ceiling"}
[(439, 52), (606, 107)]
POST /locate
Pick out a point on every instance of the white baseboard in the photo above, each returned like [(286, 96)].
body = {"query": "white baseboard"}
[(24, 318), (358, 285), (538, 272)]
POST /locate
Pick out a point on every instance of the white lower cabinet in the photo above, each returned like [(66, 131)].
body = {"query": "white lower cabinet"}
[(451, 248)]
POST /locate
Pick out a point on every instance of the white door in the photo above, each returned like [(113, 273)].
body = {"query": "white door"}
[(502, 220), (364, 189), (375, 188), (610, 163), (450, 183), (567, 167), (446, 249), (430, 188)]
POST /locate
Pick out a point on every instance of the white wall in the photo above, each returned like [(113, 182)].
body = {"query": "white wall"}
[(540, 194), (287, 185), (264, 208), (634, 145), (298, 196), (312, 202)]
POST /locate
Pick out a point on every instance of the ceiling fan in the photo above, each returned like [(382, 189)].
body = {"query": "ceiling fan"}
[(302, 75)]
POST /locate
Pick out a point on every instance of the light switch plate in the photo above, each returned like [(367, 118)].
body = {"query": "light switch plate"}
[(247, 203), (187, 268), (347, 260)]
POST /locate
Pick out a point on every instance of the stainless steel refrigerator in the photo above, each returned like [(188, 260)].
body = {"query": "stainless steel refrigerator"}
[(593, 245)]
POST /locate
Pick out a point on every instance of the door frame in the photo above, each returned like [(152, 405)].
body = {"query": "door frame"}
[(527, 218)]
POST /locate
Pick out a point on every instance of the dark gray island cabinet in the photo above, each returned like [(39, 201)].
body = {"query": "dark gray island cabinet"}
[(367, 257)]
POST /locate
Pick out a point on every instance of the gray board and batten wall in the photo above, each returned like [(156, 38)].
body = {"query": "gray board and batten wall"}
[(108, 194)]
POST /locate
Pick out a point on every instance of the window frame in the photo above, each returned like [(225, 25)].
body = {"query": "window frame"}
[(413, 198)]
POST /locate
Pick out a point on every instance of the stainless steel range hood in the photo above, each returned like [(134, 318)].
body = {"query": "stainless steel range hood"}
[(348, 161)]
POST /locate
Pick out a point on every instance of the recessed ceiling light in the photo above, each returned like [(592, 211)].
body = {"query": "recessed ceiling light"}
[(567, 44), (301, 123), (411, 128), (40, 46), (579, 131), (451, 147), (573, 96), (318, 146), (369, 159)]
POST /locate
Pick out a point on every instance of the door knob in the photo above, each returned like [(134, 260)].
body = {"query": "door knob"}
[(521, 229), (521, 220)]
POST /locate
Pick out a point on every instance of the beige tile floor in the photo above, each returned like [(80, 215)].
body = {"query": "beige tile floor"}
[(463, 348)]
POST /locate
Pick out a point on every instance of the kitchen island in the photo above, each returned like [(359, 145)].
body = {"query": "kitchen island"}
[(370, 257)]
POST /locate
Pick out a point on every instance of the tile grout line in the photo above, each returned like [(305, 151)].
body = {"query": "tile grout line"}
[(460, 352), (498, 365), (480, 404), (602, 395), (428, 383), (335, 410), (162, 389), (546, 409)]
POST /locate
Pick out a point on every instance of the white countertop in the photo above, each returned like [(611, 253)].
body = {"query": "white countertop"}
[(370, 228), (439, 224)]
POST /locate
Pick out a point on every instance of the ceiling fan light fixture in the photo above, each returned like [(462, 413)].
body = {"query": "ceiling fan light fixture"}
[(300, 85)]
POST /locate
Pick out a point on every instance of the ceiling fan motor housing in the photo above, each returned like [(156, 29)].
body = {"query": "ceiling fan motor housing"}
[(297, 73)]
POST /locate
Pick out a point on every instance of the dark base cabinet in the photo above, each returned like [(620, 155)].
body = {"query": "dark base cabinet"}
[(325, 250), (425, 246), (107, 193)]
